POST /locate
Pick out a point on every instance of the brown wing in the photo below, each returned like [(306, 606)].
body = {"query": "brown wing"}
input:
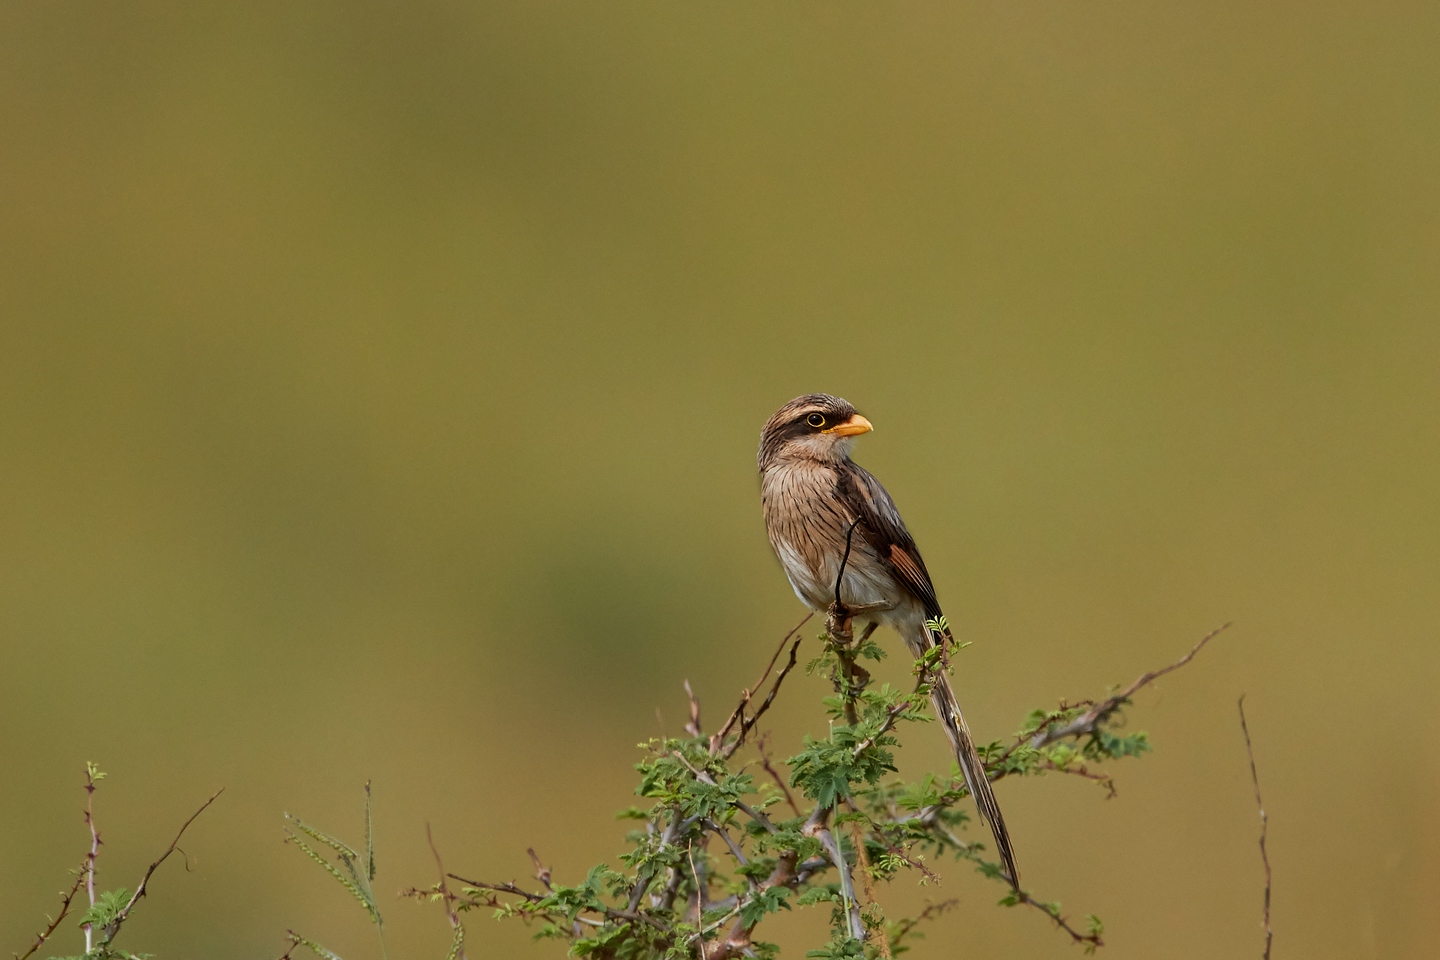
[(883, 529)]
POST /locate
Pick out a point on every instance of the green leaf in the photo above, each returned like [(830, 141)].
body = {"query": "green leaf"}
[(827, 893), (105, 908), (770, 900)]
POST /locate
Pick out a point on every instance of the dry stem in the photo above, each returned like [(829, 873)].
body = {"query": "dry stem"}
[(718, 747), (775, 775), (114, 926), (1093, 717), (1264, 822), (65, 900)]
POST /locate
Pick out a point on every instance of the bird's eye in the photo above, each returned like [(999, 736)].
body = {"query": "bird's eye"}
[(815, 420)]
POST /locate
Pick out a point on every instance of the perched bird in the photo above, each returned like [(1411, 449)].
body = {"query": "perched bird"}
[(816, 500)]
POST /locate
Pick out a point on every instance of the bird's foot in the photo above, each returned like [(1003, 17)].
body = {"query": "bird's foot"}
[(840, 616)]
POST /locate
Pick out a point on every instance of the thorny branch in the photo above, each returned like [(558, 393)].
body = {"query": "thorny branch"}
[(668, 895), (891, 848), (1264, 822), (735, 850), (542, 872), (85, 877), (718, 747), (91, 776), (113, 927), (510, 888), (1090, 940), (448, 899), (932, 910), (65, 900), (1104, 779), (497, 887), (692, 726), (292, 940), (775, 775), (1100, 711)]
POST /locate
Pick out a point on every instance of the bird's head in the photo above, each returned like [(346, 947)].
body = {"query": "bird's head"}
[(816, 426)]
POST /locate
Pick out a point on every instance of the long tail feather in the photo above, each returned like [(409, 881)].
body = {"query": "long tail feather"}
[(947, 708)]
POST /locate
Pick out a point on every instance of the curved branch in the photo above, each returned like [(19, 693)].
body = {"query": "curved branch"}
[(1088, 721), (113, 927)]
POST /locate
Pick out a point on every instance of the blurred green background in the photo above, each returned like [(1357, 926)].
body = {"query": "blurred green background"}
[(380, 386)]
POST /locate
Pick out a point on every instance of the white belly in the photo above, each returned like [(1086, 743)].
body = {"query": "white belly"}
[(808, 532), (814, 583)]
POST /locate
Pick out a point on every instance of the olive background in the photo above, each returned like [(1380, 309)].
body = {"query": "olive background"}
[(380, 385)]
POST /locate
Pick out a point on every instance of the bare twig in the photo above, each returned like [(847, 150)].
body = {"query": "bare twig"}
[(1087, 722), (113, 927), (542, 872), (735, 851), (498, 888), (1264, 822), (932, 910), (775, 775), (1106, 781), (693, 726), (718, 740), (850, 679), (757, 816), (748, 723), (293, 940), (447, 899), (65, 900), (1091, 940)]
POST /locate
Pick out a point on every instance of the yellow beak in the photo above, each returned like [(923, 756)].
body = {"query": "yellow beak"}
[(853, 427)]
